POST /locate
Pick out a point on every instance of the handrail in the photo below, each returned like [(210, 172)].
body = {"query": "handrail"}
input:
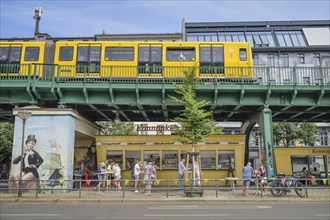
[(275, 76)]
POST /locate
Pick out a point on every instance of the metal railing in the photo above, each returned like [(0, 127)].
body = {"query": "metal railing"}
[(76, 187), (46, 73)]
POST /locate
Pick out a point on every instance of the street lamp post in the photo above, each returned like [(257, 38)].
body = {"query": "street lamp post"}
[(24, 115)]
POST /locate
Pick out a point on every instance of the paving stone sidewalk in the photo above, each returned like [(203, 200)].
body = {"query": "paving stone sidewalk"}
[(160, 195)]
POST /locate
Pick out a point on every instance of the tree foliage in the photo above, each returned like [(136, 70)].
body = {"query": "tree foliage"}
[(195, 122), (117, 128), (288, 132), (6, 142), (307, 133)]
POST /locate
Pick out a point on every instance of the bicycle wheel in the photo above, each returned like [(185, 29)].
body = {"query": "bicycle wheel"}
[(277, 189), (300, 189)]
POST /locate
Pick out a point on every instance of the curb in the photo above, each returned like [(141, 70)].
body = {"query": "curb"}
[(36, 200)]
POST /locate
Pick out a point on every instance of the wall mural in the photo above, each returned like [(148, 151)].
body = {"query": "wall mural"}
[(48, 151)]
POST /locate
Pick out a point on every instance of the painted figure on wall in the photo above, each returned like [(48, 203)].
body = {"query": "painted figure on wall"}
[(31, 162)]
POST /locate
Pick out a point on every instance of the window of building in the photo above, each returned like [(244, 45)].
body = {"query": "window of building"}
[(208, 159), (255, 58), (119, 54), (323, 135), (180, 54), (115, 156), (31, 54), (300, 58), (170, 159), (290, 38), (214, 36), (226, 159), (299, 162), (153, 156), (285, 60), (131, 158), (66, 54), (192, 37), (317, 59), (270, 60)]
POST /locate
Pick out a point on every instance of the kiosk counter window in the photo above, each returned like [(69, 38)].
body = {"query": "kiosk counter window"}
[(131, 157), (226, 159), (153, 156), (170, 159), (299, 162), (208, 159), (115, 156)]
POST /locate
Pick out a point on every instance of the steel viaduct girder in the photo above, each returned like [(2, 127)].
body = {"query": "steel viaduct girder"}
[(150, 102)]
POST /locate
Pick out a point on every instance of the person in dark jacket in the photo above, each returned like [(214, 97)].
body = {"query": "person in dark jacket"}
[(31, 160)]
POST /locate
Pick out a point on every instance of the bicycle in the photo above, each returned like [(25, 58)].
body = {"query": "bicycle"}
[(281, 186)]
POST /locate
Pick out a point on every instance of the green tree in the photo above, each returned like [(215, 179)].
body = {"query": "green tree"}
[(117, 128), (195, 122), (6, 142), (307, 133), (288, 132), (284, 133)]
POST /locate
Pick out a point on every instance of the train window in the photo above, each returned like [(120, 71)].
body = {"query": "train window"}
[(31, 54), (94, 54), (182, 54), (242, 54), (82, 54), (66, 54), (15, 54), (4, 54), (119, 53)]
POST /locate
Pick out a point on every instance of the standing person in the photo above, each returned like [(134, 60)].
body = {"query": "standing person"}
[(100, 176), (197, 172), (137, 171), (263, 177), (117, 173), (247, 174), (182, 169), (30, 162), (148, 171)]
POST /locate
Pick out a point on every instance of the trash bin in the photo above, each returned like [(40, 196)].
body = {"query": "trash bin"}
[(77, 178)]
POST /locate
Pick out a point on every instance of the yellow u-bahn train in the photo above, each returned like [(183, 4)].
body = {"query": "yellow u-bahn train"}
[(126, 59)]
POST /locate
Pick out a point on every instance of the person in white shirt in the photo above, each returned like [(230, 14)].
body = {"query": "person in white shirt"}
[(137, 171), (117, 173)]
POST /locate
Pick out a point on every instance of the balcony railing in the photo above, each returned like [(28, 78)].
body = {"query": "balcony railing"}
[(164, 74)]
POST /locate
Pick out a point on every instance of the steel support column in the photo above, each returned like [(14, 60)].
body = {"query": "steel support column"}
[(266, 125), (264, 119)]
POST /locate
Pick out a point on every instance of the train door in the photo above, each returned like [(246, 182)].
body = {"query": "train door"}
[(10, 58), (33, 55), (180, 58), (244, 62), (211, 60), (150, 62), (88, 60)]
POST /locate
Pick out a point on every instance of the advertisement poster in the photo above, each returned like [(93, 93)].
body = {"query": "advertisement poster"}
[(48, 151)]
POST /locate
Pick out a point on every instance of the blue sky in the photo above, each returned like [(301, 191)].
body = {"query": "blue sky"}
[(84, 18)]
